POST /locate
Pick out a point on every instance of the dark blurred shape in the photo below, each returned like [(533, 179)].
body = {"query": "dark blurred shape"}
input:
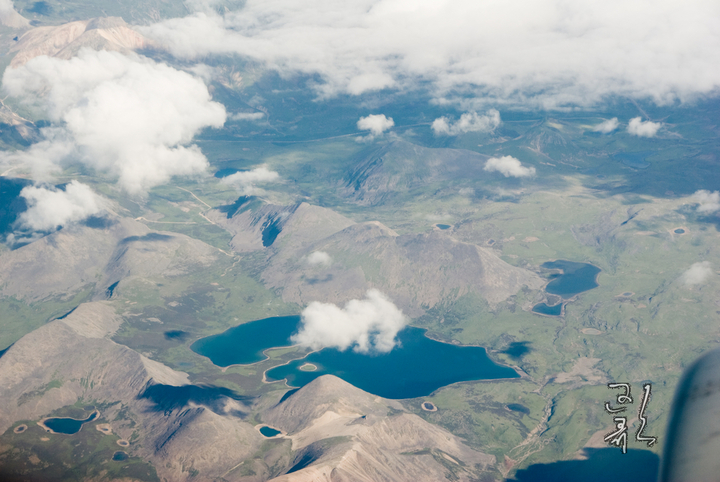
[(11, 203), (176, 335), (2, 352), (692, 440), (167, 398), (517, 349), (147, 237), (98, 222)]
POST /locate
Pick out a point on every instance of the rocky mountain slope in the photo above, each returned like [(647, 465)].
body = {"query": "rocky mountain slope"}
[(339, 432), (64, 41), (416, 270), (73, 359), (81, 257), (380, 174)]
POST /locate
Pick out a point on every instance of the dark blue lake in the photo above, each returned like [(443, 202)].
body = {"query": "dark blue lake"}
[(415, 368), (575, 277), (67, 426), (244, 344), (543, 309), (119, 456), (601, 465), (269, 432)]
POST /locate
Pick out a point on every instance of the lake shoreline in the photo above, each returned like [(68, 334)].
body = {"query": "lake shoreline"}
[(93, 416)]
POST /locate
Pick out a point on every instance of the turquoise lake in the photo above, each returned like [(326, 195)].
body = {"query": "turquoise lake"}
[(244, 344), (415, 368), (67, 426), (575, 277)]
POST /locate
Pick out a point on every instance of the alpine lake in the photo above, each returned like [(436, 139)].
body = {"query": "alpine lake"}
[(573, 278), (416, 367)]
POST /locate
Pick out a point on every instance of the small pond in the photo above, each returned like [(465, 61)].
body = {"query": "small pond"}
[(269, 432), (68, 426), (573, 279)]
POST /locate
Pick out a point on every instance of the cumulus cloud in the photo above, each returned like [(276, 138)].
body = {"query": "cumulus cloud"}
[(607, 126), (124, 115), (709, 202), (697, 274), (319, 258), (508, 166), (550, 53), (377, 124), (49, 207), (469, 122), (366, 325), (639, 128), (245, 181)]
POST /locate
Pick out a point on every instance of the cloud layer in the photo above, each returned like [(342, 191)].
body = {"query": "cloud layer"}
[(508, 166), (639, 128), (469, 122), (366, 325), (124, 115), (49, 207), (547, 53)]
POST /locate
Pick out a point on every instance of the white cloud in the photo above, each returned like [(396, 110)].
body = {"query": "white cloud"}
[(9, 17), (247, 116), (607, 126), (697, 274), (549, 53), (124, 115), (377, 124), (709, 202), (319, 257), (639, 128), (366, 325), (245, 181), (44, 158), (469, 122), (509, 167), (50, 207)]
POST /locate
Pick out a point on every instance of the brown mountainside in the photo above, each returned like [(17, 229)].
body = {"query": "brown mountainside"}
[(350, 435), (73, 359), (65, 41)]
